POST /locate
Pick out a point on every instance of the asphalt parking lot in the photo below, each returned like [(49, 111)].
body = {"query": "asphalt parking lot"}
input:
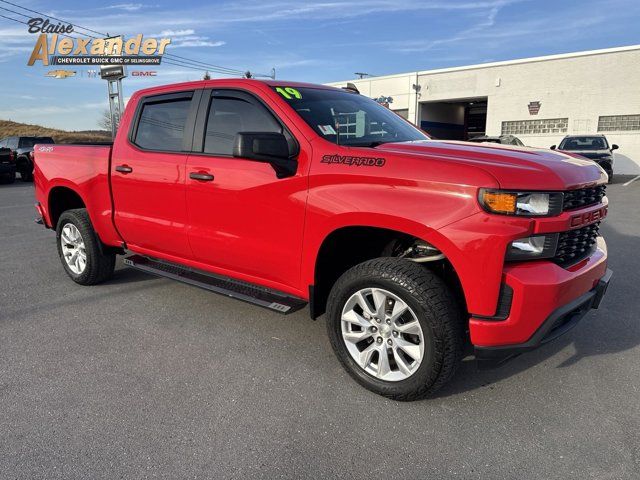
[(144, 377)]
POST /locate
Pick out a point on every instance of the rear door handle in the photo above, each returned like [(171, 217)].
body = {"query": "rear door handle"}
[(203, 177), (124, 169)]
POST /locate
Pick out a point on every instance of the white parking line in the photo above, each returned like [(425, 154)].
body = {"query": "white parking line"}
[(630, 181)]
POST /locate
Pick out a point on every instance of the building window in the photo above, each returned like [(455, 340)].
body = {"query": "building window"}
[(612, 123), (404, 113), (535, 127)]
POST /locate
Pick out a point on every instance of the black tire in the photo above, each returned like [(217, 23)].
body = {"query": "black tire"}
[(8, 177), (435, 308), (610, 175), (26, 176), (99, 266)]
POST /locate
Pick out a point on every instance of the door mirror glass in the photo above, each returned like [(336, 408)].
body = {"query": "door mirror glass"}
[(266, 147), (614, 147), (553, 147)]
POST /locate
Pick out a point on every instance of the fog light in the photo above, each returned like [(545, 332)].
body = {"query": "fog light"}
[(534, 247)]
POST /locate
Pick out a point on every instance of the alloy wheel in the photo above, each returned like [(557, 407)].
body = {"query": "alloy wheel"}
[(73, 248), (382, 334)]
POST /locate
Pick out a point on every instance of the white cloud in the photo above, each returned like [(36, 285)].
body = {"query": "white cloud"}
[(127, 7), (175, 33), (198, 43)]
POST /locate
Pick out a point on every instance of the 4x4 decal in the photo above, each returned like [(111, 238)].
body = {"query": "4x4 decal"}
[(354, 161)]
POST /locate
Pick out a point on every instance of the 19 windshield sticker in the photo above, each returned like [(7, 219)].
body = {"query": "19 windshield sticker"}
[(289, 92)]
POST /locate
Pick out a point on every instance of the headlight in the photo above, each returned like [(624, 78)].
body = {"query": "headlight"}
[(534, 247), (527, 204)]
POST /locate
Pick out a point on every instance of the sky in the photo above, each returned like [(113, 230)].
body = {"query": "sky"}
[(304, 40)]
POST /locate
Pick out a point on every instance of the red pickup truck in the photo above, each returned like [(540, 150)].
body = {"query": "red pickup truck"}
[(286, 194)]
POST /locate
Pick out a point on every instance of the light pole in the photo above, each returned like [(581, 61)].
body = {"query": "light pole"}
[(114, 74)]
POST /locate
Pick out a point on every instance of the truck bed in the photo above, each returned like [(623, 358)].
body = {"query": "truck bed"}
[(83, 169)]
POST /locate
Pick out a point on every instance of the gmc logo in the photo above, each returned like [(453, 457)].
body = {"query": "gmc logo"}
[(141, 73), (589, 217)]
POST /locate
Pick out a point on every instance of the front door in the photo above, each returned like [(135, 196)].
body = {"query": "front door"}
[(243, 220), (148, 175)]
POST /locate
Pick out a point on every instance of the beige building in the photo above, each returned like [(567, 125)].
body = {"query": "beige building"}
[(539, 100)]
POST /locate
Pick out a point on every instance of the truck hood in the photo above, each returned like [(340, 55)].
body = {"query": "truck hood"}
[(517, 168)]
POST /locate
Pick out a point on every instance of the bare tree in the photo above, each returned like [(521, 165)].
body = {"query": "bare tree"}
[(104, 122), (206, 76)]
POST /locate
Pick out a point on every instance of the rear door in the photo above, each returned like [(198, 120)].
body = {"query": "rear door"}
[(244, 221), (148, 175)]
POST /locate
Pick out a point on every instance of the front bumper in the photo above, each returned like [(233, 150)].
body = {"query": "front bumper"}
[(558, 322)]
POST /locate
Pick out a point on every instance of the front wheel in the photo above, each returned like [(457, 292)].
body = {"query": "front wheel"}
[(26, 176), (395, 327), (80, 251)]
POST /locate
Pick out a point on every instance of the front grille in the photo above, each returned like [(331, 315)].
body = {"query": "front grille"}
[(576, 245), (583, 197)]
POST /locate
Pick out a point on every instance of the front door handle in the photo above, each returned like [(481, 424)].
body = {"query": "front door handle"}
[(124, 169), (203, 177)]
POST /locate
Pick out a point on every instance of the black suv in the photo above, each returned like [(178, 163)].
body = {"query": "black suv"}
[(7, 166), (22, 149), (593, 147)]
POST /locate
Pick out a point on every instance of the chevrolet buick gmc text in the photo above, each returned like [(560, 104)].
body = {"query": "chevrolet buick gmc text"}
[(288, 194)]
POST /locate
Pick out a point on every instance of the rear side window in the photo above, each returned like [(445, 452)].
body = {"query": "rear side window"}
[(29, 142), (230, 115), (161, 125)]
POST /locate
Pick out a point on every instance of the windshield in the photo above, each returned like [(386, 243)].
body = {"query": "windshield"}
[(346, 118), (584, 143)]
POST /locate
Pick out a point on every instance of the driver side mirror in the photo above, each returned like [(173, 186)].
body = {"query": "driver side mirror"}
[(553, 147), (614, 147), (267, 147)]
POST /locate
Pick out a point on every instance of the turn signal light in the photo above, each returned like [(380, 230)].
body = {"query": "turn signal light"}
[(500, 202)]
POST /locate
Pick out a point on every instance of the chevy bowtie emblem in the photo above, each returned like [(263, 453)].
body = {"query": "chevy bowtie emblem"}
[(60, 73)]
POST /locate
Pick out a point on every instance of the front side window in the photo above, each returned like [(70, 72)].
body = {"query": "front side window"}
[(346, 118), (162, 123), (230, 115), (584, 143)]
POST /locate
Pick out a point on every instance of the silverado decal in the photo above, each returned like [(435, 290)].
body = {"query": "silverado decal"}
[(355, 161)]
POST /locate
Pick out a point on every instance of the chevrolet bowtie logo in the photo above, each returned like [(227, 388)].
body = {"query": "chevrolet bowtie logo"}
[(60, 73)]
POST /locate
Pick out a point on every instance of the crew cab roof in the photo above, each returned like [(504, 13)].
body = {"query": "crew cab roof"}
[(227, 83)]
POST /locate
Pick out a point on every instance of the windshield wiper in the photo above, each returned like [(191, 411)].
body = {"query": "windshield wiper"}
[(373, 144)]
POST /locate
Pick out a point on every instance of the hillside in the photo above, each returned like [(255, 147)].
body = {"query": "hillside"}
[(9, 128)]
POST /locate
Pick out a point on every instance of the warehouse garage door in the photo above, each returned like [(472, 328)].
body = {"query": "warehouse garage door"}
[(457, 119)]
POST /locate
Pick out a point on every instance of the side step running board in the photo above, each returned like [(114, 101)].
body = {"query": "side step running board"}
[(264, 297)]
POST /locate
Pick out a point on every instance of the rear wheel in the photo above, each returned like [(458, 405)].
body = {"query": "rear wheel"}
[(395, 327), (80, 250), (8, 177)]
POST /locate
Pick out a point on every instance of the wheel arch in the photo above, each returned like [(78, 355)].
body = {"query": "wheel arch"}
[(349, 244), (60, 199)]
